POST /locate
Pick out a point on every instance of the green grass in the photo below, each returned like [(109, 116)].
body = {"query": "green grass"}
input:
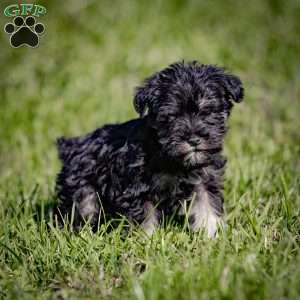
[(83, 74)]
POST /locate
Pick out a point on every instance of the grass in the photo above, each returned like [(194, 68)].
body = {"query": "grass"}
[(82, 75)]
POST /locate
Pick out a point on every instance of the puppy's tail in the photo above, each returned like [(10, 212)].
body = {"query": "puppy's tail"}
[(64, 146)]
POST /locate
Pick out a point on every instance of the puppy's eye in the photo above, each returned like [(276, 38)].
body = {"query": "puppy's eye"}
[(202, 132), (170, 117), (207, 109)]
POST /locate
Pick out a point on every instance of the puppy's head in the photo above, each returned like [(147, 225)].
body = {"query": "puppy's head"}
[(187, 104)]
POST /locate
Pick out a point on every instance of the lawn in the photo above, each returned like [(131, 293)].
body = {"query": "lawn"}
[(83, 75)]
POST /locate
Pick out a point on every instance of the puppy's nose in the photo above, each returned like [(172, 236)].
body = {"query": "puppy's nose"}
[(194, 141)]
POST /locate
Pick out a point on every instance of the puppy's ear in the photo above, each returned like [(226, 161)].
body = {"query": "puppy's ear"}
[(233, 87), (141, 100), (145, 95)]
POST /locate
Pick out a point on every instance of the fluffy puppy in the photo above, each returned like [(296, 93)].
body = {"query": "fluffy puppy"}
[(168, 159)]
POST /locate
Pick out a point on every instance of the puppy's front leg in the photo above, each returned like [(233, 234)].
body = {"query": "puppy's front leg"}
[(151, 220), (206, 212)]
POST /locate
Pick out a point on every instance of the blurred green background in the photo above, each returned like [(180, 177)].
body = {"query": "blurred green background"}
[(94, 53)]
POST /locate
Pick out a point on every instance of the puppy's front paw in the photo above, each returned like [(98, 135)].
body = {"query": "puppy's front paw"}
[(207, 221), (151, 218), (203, 216)]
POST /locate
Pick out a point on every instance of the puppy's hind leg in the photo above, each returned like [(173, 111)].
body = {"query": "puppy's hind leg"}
[(87, 204)]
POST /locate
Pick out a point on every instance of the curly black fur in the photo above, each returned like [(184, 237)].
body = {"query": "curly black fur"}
[(156, 164)]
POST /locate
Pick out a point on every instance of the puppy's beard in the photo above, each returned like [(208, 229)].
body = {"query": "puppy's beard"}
[(182, 149), (188, 155), (194, 158)]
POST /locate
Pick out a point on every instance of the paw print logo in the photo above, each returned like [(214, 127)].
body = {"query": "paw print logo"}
[(24, 32)]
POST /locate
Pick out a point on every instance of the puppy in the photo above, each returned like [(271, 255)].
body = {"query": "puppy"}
[(169, 160)]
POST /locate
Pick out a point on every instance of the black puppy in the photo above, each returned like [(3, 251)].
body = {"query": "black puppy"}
[(168, 159)]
